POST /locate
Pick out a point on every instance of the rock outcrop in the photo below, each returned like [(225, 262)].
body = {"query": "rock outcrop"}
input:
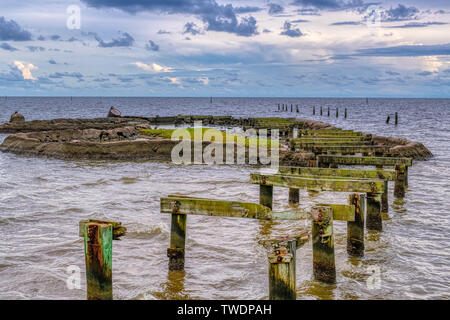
[(17, 117), (114, 113)]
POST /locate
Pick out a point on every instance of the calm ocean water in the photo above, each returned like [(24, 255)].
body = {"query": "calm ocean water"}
[(42, 200)]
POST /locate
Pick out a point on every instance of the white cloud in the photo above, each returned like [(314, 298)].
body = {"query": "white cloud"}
[(156, 68), (25, 68), (204, 80), (173, 80)]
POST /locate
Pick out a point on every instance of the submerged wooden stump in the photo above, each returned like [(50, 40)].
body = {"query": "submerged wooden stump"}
[(177, 242), (355, 229), (400, 182), (266, 195), (324, 267), (374, 221), (281, 254), (294, 196), (98, 253)]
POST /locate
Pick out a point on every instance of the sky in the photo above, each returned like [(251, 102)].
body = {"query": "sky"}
[(240, 48)]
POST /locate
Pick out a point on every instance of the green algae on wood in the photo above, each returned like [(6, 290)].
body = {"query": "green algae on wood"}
[(176, 251), (324, 267), (352, 160), (344, 149), (373, 213), (355, 229), (118, 229), (389, 175), (98, 256), (338, 185), (211, 207)]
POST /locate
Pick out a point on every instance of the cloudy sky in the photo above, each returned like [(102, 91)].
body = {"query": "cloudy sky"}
[(298, 48)]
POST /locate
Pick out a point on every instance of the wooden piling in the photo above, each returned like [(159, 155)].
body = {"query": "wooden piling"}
[(278, 107), (321, 112), (294, 196), (297, 108), (345, 113), (373, 214), (396, 118), (292, 107), (323, 244), (282, 273), (266, 195), (98, 256), (399, 184), (355, 229), (177, 241), (337, 112), (314, 111), (388, 119), (328, 111), (385, 198)]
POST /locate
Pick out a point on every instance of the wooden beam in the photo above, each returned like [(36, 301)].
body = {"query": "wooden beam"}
[(336, 185), (388, 175), (335, 139), (351, 160), (344, 149), (219, 208), (331, 143)]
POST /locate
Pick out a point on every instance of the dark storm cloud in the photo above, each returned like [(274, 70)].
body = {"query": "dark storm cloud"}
[(7, 47), (400, 13), (10, 30), (217, 17), (124, 40), (191, 28), (151, 46), (346, 23), (406, 51), (331, 4), (290, 32), (275, 9), (35, 48), (419, 25)]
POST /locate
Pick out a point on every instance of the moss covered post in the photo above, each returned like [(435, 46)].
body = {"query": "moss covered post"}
[(399, 184), (282, 273), (373, 216), (98, 256), (265, 194), (294, 196), (355, 229), (323, 244), (177, 239), (385, 198)]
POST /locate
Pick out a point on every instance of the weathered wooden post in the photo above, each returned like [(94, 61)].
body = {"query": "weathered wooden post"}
[(328, 111), (388, 119), (314, 111), (177, 239), (385, 198), (406, 176), (98, 238), (396, 118), (355, 229), (294, 196), (323, 244), (278, 107), (399, 184), (345, 113), (297, 108), (337, 112), (282, 276), (266, 195), (373, 215), (321, 113), (292, 107)]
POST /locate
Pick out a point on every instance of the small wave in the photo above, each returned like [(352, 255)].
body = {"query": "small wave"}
[(96, 183), (146, 231)]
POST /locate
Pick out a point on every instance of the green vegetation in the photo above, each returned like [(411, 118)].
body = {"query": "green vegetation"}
[(227, 137)]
